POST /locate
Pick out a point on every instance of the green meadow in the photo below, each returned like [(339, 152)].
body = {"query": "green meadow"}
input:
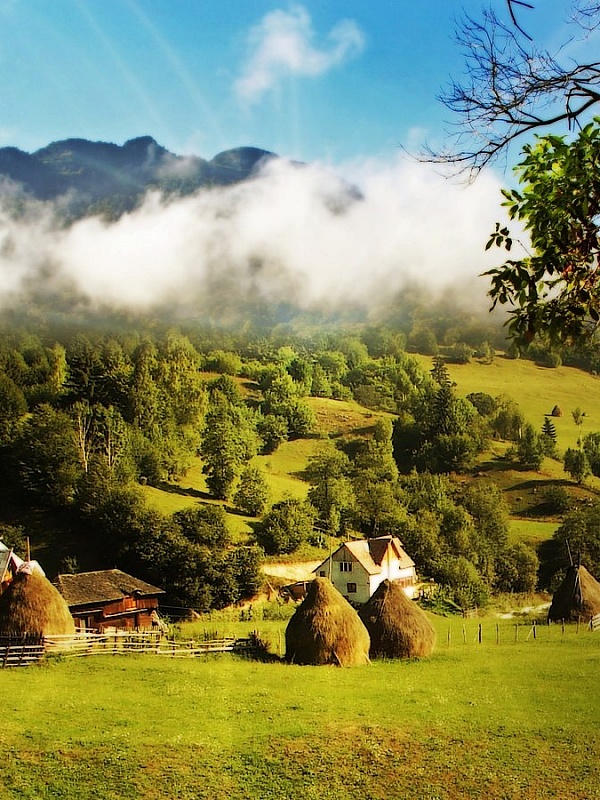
[(511, 717), (536, 390)]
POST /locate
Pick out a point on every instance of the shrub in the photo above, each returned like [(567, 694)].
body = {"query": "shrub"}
[(557, 499)]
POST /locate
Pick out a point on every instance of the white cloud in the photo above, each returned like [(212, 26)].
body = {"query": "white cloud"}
[(292, 235), (283, 44)]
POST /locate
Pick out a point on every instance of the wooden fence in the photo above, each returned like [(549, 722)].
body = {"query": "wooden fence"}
[(22, 652), (495, 632)]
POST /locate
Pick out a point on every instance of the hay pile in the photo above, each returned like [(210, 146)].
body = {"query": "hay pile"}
[(325, 629), (578, 596), (398, 627), (31, 605)]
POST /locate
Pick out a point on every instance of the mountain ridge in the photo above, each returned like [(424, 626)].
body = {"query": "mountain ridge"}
[(96, 176)]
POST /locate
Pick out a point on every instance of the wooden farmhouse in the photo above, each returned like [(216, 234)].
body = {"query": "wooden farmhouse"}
[(109, 599), (357, 568)]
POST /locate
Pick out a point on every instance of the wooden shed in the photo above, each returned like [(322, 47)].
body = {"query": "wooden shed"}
[(109, 599)]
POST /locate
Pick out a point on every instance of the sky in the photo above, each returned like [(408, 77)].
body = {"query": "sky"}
[(347, 87), (326, 80)]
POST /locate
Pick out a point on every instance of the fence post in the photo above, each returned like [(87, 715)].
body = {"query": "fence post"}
[(480, 633), (497, 634)]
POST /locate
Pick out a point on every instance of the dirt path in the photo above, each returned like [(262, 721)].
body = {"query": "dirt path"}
[(295, 571)]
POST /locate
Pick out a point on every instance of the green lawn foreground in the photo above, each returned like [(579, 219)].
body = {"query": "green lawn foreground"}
[(514, 719)]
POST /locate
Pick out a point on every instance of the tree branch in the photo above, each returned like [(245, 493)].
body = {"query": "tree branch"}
[(512, 87)]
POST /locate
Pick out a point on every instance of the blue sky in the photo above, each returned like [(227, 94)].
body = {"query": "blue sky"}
[(343, 86), (319, 79)]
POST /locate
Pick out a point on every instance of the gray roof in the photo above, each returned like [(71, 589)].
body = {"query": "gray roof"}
[(102, 587)]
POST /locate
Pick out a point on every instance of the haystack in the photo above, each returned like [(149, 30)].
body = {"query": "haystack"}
[(31, 605), (578, 596), (397, 626), (325, 629)]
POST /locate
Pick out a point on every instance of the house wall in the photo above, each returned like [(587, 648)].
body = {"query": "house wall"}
[(365, 584), (352, 576), (127, 613), (407, 578)]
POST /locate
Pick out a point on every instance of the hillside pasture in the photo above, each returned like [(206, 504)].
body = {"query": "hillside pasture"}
[(496, 720), (283, 470), (536, 390)]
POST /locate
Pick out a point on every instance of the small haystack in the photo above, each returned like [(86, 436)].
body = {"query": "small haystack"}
[(578, 596), (325, 629), (31, 605), (397, 626)]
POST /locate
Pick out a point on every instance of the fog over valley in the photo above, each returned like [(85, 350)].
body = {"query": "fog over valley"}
[(300, 234)]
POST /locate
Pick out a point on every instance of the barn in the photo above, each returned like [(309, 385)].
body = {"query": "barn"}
[(109, 599)]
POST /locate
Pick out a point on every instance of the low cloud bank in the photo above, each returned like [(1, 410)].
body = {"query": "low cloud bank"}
[(295, 234)]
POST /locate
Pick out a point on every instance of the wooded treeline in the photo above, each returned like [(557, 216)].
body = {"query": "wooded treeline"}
[(88, 419)]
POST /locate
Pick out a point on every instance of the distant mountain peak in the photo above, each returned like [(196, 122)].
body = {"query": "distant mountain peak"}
[(103, 177)]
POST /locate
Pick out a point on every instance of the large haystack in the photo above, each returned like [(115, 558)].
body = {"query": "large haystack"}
[(325, 629), (397, 626), (31, 605), (578, 596)]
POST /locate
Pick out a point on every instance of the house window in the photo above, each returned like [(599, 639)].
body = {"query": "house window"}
[(351, 588), (345, 566), (322, 574)]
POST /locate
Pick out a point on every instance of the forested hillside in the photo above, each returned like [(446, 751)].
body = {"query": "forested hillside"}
[(187, 456)]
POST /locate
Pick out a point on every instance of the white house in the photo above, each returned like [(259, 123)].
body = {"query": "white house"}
[(357, 568)]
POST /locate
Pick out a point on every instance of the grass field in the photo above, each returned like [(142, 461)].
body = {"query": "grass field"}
[(536, 390), (514, 719)]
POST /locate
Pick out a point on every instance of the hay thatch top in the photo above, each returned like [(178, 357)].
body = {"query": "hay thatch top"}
[(578, 596), (325, 629), (103, 586), (32, 605), (397, 626)]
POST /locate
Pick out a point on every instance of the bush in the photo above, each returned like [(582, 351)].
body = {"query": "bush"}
[(285, 527), (557, 499), (484, 403)]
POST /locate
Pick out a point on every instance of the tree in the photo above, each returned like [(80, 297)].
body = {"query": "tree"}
[(516, 569), (228, 442), (581, 530), (530, 448), (577, 464), (48, 456), (591, 447), (205, 525), (483, 402), (285, 527), (549, 437), (553, 290), (12, 407), (252, 495), (512, 85)]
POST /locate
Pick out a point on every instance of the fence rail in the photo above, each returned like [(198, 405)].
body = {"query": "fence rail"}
[(23, 652)]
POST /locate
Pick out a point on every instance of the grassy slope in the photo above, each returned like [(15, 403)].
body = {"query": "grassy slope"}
[(508, 720), (283, 469), (536, 390)]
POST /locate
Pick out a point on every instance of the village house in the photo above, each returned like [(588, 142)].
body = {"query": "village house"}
[(109, 599), (357, 568)]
